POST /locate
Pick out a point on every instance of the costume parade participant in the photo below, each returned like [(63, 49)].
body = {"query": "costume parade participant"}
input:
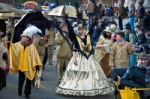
[(3, 55), (83, 75), (25, 59), (62, 58)]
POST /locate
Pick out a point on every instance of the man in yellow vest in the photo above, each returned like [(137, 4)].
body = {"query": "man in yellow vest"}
[(25, 59)]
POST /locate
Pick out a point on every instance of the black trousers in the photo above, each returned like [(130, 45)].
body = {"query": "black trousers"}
[(3, 74), (27, 88), (45, 57)]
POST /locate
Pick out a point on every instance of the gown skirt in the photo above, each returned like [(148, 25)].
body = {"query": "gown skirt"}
[(86, 78)]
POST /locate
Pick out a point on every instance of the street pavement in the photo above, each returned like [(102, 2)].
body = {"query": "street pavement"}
[(46, 91)]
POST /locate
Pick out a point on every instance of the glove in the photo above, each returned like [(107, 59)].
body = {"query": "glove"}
[(37, 68)]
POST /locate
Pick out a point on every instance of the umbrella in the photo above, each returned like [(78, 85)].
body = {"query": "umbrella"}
[(4, 15), (58, 11), (69, 10), (7, 11), (9, 14), (34, 18)]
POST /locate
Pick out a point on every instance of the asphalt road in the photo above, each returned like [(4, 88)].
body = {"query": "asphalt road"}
[(46, 91)]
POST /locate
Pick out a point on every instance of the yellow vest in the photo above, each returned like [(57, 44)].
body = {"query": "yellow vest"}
[(24, 59)]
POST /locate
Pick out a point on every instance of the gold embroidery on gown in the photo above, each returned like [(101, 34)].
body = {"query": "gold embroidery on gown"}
[(86, 78)]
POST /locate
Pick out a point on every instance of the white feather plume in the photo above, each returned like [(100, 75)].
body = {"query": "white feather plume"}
[(31, 30)]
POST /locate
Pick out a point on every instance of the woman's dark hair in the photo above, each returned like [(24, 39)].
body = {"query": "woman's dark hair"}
[(107, 35), (121, 34)]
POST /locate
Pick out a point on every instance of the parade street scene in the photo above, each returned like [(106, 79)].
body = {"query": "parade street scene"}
[(74, 49)]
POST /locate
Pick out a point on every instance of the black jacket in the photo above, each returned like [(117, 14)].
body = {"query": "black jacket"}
[(134, 77)]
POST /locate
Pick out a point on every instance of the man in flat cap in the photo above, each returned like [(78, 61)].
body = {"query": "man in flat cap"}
[(138, 76)]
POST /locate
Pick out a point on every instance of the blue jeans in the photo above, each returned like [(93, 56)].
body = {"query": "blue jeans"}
[(131, 21), (132, 59)]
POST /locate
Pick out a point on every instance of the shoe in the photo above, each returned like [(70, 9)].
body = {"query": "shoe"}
[(0, 88), (27, 95), (4, 85), (19, 93)]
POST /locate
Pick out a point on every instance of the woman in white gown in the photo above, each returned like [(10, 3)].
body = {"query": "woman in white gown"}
[(83, 75)]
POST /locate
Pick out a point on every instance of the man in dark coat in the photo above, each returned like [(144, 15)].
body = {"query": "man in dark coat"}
[(136, 76)]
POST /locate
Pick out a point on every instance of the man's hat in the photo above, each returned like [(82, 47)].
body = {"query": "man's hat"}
[(113, 27), (108, 29), (143, 55), (30, 31)]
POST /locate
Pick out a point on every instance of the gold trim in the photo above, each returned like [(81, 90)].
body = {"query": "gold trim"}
[(85, 48)]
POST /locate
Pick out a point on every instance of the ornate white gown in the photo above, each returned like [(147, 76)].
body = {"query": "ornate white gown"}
[(86, 78)]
